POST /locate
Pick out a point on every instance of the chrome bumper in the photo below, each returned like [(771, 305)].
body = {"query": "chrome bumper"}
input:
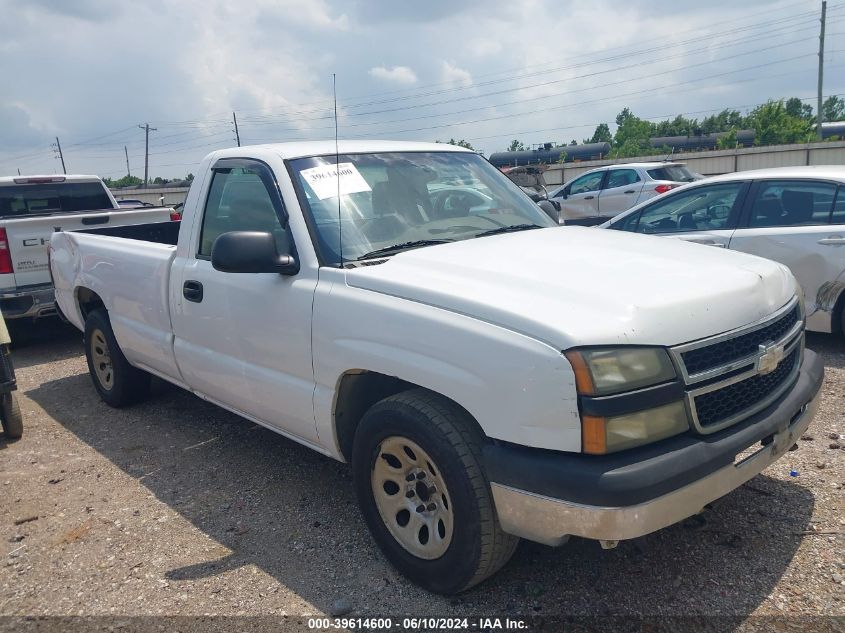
[(32, 303), (551, 521)]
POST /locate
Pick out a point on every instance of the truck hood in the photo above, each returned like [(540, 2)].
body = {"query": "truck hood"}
[(573, 286)]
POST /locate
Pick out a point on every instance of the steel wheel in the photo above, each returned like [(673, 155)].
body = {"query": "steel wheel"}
[(102, 360), (412, 498)]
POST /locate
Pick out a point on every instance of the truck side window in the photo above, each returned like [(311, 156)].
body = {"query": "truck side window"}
[(238, 200)]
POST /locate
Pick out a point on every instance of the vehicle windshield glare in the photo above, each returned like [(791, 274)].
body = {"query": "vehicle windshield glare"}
[(406, 200)]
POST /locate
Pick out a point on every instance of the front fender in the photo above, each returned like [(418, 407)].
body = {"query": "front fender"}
[(519, 390)]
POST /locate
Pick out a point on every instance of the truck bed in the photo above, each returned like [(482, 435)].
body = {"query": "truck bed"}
[(131, 275), (156, 232)]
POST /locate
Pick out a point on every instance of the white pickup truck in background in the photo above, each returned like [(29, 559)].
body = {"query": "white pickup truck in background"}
[(363, 302), (32, 208)]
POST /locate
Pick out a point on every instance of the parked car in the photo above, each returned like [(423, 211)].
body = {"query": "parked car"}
[(481, 386), (601, 193), (792, 215), (32, 208)]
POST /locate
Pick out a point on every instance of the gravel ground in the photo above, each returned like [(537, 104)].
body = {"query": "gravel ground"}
[(177, 507)]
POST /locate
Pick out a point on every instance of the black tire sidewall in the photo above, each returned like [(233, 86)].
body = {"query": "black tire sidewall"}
[(123, 373), (12, 418), (451, 572)]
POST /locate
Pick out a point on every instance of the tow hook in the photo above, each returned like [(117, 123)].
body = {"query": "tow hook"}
[(608, 544)]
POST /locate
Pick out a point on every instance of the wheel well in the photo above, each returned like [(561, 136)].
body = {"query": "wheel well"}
[(360, 390), (88, 301)]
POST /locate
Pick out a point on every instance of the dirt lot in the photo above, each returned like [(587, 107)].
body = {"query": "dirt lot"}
[(178, 507)]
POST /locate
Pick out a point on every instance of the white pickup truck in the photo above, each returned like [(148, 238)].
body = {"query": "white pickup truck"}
[(32, 208), (483, 384)]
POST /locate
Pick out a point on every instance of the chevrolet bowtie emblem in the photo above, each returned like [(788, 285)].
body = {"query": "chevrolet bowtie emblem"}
[(770, 356)]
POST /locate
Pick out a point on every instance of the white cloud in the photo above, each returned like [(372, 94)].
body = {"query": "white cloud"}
[(396, 74), (452, 73)]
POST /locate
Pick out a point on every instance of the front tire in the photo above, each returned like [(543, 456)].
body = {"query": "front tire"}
[(118, 383), (12, 420), (423, 493)]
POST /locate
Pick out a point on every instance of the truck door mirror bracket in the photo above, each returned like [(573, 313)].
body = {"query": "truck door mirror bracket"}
[(251, 252)]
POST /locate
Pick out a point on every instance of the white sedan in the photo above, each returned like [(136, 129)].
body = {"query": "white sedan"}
[(792, 215)]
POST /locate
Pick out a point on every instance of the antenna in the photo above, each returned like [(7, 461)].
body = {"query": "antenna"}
[(337, 173)]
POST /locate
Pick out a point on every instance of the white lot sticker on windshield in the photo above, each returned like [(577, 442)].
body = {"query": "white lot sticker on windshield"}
[(324, 180)]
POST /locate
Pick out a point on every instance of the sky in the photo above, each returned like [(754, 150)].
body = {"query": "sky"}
[(488, 71)]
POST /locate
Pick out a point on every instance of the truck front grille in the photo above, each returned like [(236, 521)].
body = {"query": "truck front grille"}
[(734, 400), (723, 352), (732, 376)]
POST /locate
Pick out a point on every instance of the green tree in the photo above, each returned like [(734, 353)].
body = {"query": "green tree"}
[(722, 122), (189, 178), (773, 125), (797, 108), (126, 181), (632, 134), (728, 141), (833, 109), (516, 146), (601, 135)]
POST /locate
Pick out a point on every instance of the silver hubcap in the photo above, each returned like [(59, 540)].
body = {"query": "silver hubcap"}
[(102, 360), (412, 498)]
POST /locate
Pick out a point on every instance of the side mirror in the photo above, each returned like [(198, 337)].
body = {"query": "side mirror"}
[(549, 208), (251, 252), (565, 193)]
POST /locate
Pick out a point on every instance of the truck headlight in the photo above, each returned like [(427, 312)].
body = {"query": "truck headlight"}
[(604, 371), (607, 435), (618, 376)]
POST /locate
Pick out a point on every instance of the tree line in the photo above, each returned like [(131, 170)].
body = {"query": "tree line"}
[(134, 181), (776, 122)]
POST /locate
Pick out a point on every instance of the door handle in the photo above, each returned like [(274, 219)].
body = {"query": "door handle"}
[(192, 291), (96, 219), (832, 240), (708, 243), (629, 191), (588, 197)]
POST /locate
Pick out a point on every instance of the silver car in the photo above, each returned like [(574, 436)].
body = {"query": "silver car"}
[(792, 215), (599, 194)]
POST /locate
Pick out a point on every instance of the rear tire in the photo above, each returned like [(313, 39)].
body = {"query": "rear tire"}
[(10, 415), (456, 541), (118, 383)]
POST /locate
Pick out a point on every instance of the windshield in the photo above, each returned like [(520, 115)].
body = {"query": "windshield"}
[(395, 201), (675, 173), (68, 197)]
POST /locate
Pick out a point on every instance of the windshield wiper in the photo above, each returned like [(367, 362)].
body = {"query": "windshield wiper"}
[(509, 229), (398, 248)]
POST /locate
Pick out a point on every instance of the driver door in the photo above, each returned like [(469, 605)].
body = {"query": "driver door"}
[(244, 339), (580, 198), (706, 215)]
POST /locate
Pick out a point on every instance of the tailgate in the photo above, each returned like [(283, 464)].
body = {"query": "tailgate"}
[(29, 236)]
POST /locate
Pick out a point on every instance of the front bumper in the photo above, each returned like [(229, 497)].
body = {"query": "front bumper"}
[(33, 303), (678, 476)]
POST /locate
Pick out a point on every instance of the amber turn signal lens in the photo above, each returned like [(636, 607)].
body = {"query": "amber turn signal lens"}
[(583, 377), (593, 435)]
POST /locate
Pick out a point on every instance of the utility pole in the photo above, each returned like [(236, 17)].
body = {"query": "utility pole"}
[(819, 113), (61, 156), (237, 134), (147, 129), (126, 151)]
